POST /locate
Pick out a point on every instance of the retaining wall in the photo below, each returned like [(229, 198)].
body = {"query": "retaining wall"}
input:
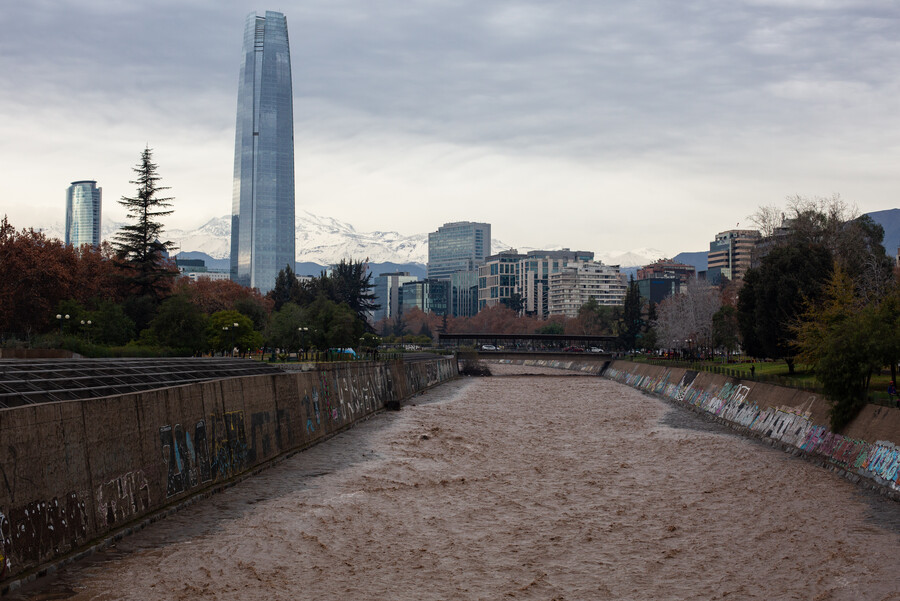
[(595, 367), (795, 420), (73, 473)]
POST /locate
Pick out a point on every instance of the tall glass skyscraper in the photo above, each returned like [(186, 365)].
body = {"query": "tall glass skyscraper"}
[(83, 213), (459, 246), (262, 221)]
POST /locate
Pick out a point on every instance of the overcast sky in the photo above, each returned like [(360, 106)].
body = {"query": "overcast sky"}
[(600, 125)]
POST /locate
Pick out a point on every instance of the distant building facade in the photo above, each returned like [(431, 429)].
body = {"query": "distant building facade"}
[(431, 296), (388, 291), (498, 278), (576, 284), (262, 210), (656, 290), (458, 246), (83, 207), (464, 293), (534, 272), (730, 255), (666, 268)]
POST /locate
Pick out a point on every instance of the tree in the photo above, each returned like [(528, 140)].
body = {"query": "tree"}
[(286, 287), (350, 282), (138, 244), (839, 338), (632, 323), (179, 324), (725, 329), (773, 297), (222, 334), (283, 329), (332, 324), (515, 302), (685, 320)]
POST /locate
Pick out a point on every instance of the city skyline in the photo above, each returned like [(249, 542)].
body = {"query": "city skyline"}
[(262, 213), (603, 127)]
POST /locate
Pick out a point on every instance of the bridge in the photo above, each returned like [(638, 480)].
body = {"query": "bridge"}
[(545, 343)]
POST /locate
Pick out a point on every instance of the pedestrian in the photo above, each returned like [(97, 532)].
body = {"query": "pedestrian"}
[(752, 371), (892, 392)]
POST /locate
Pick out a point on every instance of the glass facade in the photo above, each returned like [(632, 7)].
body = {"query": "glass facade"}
[(460, 246), (83, 200), (387, 290), (262, 221)]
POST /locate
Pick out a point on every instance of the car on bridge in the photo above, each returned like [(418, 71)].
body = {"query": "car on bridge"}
[(597, 349), (488, 347), (573, 349)]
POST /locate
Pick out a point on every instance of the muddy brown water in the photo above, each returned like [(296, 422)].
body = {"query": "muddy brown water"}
[(516, 488)]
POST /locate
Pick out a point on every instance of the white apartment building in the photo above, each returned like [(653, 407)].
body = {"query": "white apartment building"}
[(572, 286)]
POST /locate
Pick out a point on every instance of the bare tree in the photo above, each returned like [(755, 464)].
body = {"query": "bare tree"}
[(688, 317)]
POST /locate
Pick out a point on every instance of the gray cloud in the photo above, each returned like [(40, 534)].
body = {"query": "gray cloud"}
[(795, 91)]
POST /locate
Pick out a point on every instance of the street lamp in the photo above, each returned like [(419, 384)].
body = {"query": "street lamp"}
[(303, 330), (85, 326), (60, 318), (233, 337)]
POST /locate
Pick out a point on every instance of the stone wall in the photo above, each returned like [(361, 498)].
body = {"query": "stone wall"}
[(796, 420), (72, 473)]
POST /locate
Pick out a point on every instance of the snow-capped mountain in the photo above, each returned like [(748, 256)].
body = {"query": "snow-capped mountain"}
[(325, 241)]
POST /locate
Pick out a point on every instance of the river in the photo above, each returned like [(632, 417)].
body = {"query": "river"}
[(536, 487)]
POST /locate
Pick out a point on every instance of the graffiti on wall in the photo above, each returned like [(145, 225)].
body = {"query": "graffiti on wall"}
[(123, 498), (879, 461), (42, 529)]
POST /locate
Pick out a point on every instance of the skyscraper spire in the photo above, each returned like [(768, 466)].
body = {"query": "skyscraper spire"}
[(262, 221)]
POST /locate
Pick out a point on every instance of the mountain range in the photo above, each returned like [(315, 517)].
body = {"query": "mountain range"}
[(323, 241)]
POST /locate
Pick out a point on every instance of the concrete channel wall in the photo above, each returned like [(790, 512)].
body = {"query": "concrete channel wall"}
[(795, 420), (74, 473)]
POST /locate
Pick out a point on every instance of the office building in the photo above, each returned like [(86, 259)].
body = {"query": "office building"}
[(730, 255), (667, 268), (83, 200), (534, 276), (656, 290), (431, 296), (573, 286), (388, 291), (459, 246), (498, 278), (464, 293), (262, 221)]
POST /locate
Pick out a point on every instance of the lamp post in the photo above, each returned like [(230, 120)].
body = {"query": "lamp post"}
[(85, 329), (234, 337), (302, 330), (224, 329), (60, 318)]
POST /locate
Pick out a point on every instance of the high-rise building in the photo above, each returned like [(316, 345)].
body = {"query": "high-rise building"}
[(83, 200), (464, 293), (388, 288), (431, 296), (262, 210), (498, 278), (459, 246), (534, 276), (730, 255)]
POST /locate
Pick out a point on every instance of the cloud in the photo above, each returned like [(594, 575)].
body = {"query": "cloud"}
[(691, 112)]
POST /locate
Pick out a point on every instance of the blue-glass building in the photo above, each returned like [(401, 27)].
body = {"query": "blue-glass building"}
[(459, 246), (83, 213), (262, 222)]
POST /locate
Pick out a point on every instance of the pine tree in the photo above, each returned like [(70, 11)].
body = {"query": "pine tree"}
[(137, 245)]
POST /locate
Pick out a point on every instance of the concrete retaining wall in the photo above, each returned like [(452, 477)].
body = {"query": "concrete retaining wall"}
[(72, 473), (591, 366), (795, 420)]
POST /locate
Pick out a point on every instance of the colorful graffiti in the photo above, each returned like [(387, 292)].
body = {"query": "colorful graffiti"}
[(879, 461)]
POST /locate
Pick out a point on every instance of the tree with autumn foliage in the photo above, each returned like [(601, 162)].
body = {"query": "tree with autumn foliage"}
[(38, 273)]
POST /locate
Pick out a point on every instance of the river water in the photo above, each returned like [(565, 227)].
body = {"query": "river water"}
[(519, 487)]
